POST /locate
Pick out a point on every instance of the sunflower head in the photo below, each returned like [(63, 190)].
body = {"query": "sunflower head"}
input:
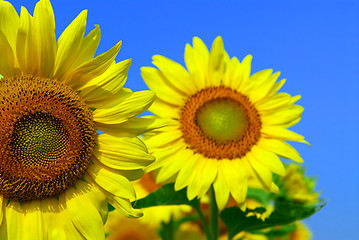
[(225, 124), (57, 174), (297, 186)]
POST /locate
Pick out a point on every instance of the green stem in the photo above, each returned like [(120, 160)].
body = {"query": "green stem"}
[(213, 221), (203, 221)]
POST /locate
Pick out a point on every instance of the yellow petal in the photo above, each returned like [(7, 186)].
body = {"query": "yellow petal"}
[(261, 171), (203, 176), (122, 153), (164, 109), (124, 206), (83, 214), (167, 135), (174, 163), (1, 209), (89, 45), (175, 73), (33, 224), (263, 86), (98, 90), (111, 181), (54, 219), (235, 177), (239, 191), (162, 154), (133, 127), (230, 77), (95, 196), (92, 68), (44, 38), (9, 23), (283, 115), (184, 175), (14, 220), (7, 57), (164, 89), (197, 60), (276, 87), (281, 148), (221, 189), (275, 102), (69, 45), (279, 132), (25, 44), (243, 74), (133, 105), (269, 160), (218, 58)]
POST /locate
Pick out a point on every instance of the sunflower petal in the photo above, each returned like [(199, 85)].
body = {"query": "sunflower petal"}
[(87, 221), (281, 148), (124, 206), (122, 153), (9, 23), (218, 58), (175, 73), (283, 115), (133, 127), (69, 45), (132, 106), (92, 68), (98, 90), (269, 159), (184, 175), (220, 188), (44, 38), (261, 171), (7, 57), (165, 91), (33, 221), (279, 132), (112, 182)]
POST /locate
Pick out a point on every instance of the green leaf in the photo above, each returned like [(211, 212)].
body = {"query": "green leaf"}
[(285, 212), (166, 195)]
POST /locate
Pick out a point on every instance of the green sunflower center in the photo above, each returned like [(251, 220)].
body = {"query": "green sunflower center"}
[(47, 135), (220, 123), (223, 120)]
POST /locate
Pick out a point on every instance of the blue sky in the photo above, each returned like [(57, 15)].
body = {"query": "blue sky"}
[(315, 45)]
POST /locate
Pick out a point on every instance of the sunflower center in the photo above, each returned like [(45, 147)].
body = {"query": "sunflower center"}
[(220, 123), (46, 138), (39, 138), (223, 120)]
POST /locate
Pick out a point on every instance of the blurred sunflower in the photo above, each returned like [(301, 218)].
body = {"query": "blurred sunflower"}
[(57, 174), (301, 232), (223, 123)]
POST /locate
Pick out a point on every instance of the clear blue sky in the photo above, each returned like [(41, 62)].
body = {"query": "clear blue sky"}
[(315, 44)]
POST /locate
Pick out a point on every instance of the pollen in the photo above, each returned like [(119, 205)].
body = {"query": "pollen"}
[(47, 136), (220, 123)]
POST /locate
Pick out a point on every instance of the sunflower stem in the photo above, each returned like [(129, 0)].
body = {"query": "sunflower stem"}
[(213, 221), (203, 221)]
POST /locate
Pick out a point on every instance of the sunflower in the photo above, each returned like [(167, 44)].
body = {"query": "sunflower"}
[(224, 124), (57, 174)]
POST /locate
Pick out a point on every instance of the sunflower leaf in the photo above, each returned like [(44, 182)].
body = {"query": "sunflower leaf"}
[(286, 212), (166, 195)]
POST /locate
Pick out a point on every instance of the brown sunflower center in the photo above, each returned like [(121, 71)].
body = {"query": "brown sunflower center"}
[(46, 137), (219, 123)]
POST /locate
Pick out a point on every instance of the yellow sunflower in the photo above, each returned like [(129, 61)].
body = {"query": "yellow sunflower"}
[(224, 124), (57, 174)]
